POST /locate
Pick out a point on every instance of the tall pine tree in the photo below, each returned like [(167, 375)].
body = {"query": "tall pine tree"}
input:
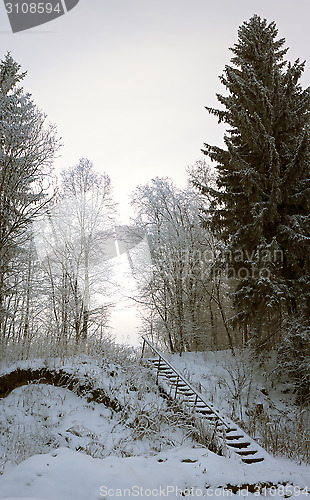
[(27, 149), (261, 206)]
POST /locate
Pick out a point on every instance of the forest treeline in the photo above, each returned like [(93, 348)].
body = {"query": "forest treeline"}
[(229, 255)]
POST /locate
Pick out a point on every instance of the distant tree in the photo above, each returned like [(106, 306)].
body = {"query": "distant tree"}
[(219, 288), (261, 206), (27, 148), (294, 356), (75, 232), (180, 300)]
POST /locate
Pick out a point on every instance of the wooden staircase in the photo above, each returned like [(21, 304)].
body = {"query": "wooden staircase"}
[(237, 442)]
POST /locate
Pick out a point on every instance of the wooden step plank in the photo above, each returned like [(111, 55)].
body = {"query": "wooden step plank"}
[(241, 445), (164, 370), (234, 436), (210, 418), (253, 460), (246, 452)]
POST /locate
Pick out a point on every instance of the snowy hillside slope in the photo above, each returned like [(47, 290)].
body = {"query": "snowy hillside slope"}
[(38, 417), (58, 445), (253, 393)]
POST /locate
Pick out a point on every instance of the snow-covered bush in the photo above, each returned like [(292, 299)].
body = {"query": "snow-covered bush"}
[(237, 380), (285, 433), (38, 418)]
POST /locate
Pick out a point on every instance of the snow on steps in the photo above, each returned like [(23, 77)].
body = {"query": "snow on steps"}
[(237, 442)]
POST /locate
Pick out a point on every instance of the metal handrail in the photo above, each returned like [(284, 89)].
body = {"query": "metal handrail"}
[(198, 396)]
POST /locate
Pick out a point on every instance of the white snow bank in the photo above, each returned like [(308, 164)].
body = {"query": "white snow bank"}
[(68, 475)]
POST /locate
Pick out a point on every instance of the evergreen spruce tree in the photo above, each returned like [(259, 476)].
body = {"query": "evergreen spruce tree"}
[(27, 149), (260, 208)]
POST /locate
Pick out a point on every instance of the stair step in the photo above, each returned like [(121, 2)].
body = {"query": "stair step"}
[(193, 400), (253, 460), (162, 366), (246, 452), (239, 445), (234, 436), (204, 411), (209, 416), (163, 369)]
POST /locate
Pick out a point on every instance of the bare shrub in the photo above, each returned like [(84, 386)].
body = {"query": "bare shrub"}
[(237, 380), (285, 434)]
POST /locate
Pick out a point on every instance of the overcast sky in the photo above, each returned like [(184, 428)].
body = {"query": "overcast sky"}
[(126, 81)]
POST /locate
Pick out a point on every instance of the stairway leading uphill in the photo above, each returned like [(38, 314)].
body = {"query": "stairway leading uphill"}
[(236, 440)]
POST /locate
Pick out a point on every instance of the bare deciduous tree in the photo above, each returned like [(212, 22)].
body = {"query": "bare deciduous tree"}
[(77, 230)]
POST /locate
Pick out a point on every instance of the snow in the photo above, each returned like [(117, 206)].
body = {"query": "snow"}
[(65, 474), (58, 446), (58, 417), (218, 376), (37, 417)]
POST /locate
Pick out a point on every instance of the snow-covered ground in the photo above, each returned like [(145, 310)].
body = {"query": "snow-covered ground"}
[(56, 445), (256, 394), (221, 378), (183, 471)]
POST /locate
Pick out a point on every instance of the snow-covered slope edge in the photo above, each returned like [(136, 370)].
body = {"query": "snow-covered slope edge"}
[(68, 475)]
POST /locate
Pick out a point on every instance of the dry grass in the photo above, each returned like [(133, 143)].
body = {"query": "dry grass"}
[(285, 435)]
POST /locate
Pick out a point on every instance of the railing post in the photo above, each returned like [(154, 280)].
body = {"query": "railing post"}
[(196, 399), (158, 370), (143, 347), (176, 387)]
